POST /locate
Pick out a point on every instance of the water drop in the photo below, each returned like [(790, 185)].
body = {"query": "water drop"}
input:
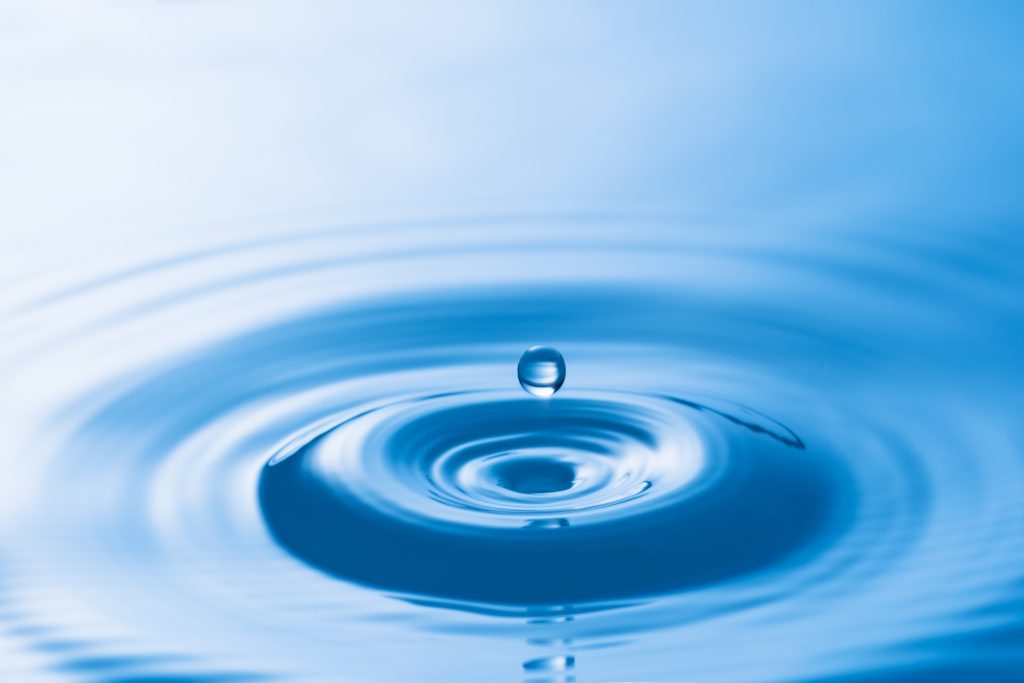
[(542, 370)]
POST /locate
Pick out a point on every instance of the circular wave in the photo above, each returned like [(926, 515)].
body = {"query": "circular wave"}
[(506, 500), (790, 441)]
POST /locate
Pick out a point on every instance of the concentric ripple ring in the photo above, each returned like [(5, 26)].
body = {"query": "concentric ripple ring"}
[(659, 498), (791, 440)]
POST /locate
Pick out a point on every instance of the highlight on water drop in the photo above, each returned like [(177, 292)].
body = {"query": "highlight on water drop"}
[(542, 370)]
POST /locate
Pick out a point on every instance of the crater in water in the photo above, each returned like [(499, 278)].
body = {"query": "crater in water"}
[(535, 475), (487, 499)]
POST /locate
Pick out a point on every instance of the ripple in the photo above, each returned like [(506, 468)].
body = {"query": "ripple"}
[(300, 449), (646, 492)]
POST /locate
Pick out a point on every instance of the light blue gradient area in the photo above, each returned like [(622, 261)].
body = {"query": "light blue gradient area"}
[(148, 114), (267, 269)]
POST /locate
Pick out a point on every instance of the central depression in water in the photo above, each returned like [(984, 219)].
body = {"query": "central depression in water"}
[(496, 498)]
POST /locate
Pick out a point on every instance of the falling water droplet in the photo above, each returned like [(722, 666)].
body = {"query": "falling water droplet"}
[(542, 370)]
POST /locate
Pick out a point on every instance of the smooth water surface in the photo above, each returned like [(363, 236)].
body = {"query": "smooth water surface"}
[(274, 441)]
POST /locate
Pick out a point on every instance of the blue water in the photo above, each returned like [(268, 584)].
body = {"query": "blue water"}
[(773, 435)]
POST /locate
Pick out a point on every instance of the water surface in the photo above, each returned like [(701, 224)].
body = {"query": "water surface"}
[(336, 472), (267, 272)]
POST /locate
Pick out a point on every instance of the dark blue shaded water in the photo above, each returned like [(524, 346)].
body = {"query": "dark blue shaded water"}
[(612, 531)]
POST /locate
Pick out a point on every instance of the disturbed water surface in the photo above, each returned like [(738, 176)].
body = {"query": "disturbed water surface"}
[(788, 455)]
